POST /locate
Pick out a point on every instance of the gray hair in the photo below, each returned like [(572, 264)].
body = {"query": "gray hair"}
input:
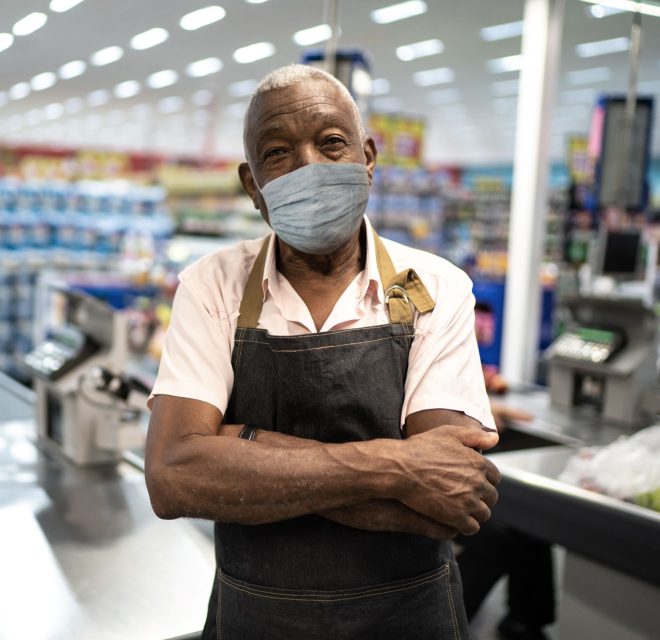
[(289, 76)]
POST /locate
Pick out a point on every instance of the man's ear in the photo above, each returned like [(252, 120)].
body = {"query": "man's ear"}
[(248, 182), (370, 153)]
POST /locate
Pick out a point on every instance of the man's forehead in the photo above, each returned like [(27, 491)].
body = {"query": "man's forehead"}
[(296, 99)]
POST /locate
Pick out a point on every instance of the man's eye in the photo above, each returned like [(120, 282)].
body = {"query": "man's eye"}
[(334, 141), (271, 153)]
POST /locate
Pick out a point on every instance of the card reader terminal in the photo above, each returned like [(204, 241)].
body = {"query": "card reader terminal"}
[(589, 344), (65, 347)]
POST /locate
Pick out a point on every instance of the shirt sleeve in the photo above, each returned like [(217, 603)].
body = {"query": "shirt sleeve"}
[(444, 370), (196, 358)]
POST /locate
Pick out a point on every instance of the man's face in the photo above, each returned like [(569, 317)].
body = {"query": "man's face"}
[(308, 123)]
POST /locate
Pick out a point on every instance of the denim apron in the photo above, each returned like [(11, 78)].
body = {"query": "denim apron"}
[(309, 578)]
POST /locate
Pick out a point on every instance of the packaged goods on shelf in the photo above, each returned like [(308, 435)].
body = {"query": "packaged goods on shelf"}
[(81, 226), (210, 202)]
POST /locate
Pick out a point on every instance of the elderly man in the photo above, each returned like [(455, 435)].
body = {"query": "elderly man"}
[(320, 398)]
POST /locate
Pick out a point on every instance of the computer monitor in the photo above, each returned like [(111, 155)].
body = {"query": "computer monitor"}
[(622, 254)]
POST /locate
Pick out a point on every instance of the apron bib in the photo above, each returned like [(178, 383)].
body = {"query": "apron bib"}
[(308, 578)]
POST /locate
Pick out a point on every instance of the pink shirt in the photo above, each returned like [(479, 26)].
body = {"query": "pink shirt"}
[(444, 370)]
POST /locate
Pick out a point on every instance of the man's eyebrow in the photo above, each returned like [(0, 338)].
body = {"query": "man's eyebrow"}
[(269, 131), (325, 121)]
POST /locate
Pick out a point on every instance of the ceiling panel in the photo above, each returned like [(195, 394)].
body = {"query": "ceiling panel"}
[(473, 123)]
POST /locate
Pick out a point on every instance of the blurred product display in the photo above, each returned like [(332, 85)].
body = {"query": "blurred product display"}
[(81, 226)]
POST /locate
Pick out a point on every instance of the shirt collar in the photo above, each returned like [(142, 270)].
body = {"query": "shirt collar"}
[(369, 281)]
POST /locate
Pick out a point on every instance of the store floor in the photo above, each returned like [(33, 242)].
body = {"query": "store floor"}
[(484, 624)]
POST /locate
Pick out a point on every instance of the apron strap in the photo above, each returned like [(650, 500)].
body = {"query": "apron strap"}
[(253, 294), (400, 289)]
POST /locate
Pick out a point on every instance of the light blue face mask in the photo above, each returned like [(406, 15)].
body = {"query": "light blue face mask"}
[(318, 207)]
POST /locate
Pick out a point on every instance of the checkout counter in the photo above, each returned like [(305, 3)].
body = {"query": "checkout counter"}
[(83, 555), (610, 587)]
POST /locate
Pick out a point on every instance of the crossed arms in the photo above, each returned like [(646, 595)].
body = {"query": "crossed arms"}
[(431, 483)]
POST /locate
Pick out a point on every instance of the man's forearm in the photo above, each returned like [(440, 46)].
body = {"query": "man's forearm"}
[(193, 469), (374, 515), (229, 479)]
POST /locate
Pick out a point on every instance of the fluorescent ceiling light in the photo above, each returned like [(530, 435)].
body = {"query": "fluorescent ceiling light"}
[(256, 1), (444, 96), (202, 118), (380, 86), (587, 76), (235, 110), (572, 111), (454, 112), (242, 88), (502, 31), (170, 105), (599, 11), (505, 106), (361, 82), (629, 5), (43, 81), (430, 77), (54, 111), (504, 88), (504, 65), (202, 17), (407, 52), (30, 24), (106, 56), (312, 35), (149, 38), (388, 103), (602, 47), (205, 67), (575, 96), (72, 69), (127, 89), (16, 121), (142, 111), (649, 86), (60, 6), (98, 98), (400, 11), (93, 121), (254, 52), (74, 105), (164, 78), (33, 117), (115, 117), (6, 40), (202, 98)]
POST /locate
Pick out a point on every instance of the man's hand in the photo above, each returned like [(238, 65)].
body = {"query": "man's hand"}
[(389, 515), (447, 480)]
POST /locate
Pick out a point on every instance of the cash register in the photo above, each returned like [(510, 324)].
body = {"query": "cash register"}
[(606, 357), (86, 409)]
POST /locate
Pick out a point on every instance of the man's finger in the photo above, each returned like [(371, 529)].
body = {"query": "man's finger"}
[(490, 495), (476, 438), (493, 474), (470, 526), (481, 513)]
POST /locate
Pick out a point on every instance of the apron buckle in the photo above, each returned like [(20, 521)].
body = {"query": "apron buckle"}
[(396, 291)]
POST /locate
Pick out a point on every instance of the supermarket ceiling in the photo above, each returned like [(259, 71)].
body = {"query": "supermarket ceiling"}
[(81, 77)]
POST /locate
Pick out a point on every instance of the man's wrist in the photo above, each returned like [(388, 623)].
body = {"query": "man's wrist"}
[(387, 478)]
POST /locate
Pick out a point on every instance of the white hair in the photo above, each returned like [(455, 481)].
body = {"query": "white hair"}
[(290, 76)]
